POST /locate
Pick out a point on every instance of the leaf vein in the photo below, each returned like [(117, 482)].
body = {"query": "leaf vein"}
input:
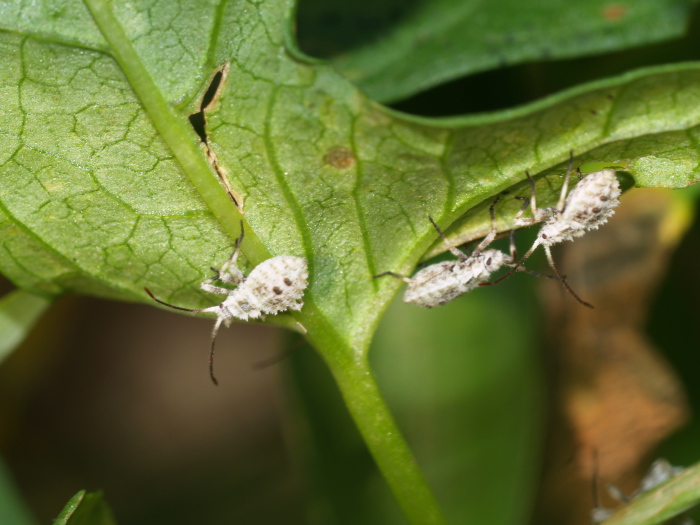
[(360, 209)]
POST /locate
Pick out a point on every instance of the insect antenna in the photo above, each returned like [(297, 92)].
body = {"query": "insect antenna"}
[(170, 305), (213, 333), (268, 362), (211, 351), (457, 253), (563, 279), (598, 514), (265, 363), (595, 479)]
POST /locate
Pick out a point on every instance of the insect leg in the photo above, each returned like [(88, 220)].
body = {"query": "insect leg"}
[(457, 253), (230, 273), (565, 187), (494, 230), (514, 257), (548, 252), (404, 279), (214, 289), (513, 248)]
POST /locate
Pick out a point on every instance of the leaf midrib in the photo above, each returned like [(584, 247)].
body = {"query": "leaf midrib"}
[(175, 130)]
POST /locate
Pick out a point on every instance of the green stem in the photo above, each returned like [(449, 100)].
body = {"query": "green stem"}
[(377, 426), (175, 130), (387, 445)]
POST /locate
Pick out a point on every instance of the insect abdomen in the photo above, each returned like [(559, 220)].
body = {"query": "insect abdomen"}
[(276, 284), (593, 201), (437, 284)]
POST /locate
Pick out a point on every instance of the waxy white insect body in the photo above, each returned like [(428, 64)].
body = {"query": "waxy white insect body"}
[(587, 207), (273, 286), (439, 283)]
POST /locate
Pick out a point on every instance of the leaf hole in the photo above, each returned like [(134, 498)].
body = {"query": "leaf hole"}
[(197, 119), (199, 124)]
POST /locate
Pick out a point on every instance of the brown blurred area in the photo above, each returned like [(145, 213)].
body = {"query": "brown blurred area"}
[(116, 397), (614, 396)]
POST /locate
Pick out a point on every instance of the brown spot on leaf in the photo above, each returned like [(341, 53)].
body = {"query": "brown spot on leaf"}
[(614, 12), (340, 158)]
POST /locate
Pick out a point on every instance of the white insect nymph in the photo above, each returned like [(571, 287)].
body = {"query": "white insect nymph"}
[(660, 472), (439, 283), (273, 286), (587, 207)]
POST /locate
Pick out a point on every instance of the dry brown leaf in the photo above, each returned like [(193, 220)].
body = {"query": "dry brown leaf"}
[(615, 396)]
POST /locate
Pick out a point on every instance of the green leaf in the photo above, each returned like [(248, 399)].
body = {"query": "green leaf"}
[(86, 508), (107, 188), (19, 311), (436, 41), (12, 508), (670, 499)]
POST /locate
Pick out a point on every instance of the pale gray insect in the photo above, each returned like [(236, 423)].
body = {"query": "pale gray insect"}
[(273, 286), (587, 207), (660, 472), (439, 283)]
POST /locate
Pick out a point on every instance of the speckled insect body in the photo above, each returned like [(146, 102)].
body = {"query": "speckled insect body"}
[(587, 207), (273, 286), (442, 282)]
